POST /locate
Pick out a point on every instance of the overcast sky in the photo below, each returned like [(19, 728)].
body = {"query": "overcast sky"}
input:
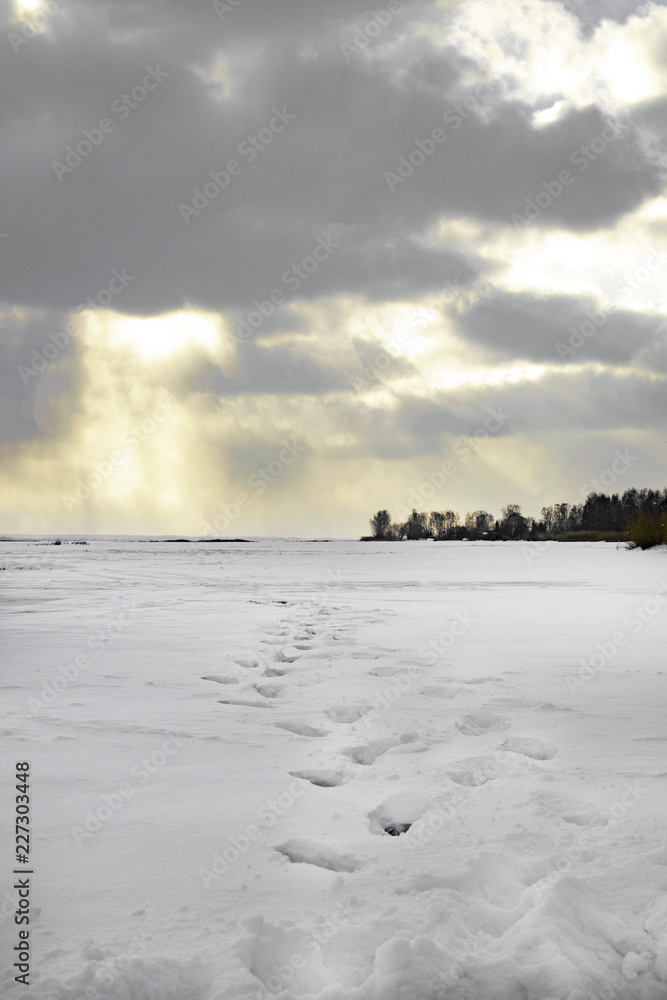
[(331, 259)]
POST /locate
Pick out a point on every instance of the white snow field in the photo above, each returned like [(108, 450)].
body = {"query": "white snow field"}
[(339, 770)]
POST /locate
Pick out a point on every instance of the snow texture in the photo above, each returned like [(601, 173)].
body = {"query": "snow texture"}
[(420, 811)]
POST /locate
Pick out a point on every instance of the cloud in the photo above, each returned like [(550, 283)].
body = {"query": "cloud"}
[(39, 373), (555, 329), (285, 170), (318, 137), (559, 402), (590, 13), (276, 371)]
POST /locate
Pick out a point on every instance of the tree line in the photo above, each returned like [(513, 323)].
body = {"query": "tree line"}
[(639, 516)]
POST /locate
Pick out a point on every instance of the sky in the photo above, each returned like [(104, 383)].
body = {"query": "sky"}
[(267, 266)]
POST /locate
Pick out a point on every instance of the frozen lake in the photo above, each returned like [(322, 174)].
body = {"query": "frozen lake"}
[(338, 770)]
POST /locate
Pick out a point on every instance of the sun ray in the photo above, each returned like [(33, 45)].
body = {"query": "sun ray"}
[(160, 336)]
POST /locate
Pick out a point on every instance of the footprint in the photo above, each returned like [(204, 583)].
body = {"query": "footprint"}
[(569, 809), (440, 691), (325, 653), (244, 701), (301, 729), (474, 771), (481, 722), (282, 657), (383, 671), (268, 951), (268, 690), (250, 661), (347, 713), (410, 743), (219, 679), (369, 753), (397, 814), (396, 829), (276, 672), (530, 748), (314, 852), (324, 779)]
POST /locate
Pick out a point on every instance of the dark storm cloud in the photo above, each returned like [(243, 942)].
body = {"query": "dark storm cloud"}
[(327, 134), (275, 371), (559, 402), (563, 400), (591, 12), (377, 364), (559, 328), (38, 373), (395, 269), (281, 370), (255, 158)]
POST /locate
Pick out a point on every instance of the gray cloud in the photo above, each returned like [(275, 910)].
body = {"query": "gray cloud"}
[(560, 402), (559, 328), (275, 371), (591, 12), (119, 207), (345, 158), (39, 374)]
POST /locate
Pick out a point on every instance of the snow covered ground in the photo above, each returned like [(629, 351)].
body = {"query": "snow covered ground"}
[(338, 770)]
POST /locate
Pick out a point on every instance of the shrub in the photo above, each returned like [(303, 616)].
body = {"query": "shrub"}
[(648, 530)]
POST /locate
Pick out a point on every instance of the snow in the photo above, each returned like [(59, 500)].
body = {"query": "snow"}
[(338, 770)]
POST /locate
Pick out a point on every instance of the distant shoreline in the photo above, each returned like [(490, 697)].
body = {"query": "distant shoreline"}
[(568, 536), (80, 540)]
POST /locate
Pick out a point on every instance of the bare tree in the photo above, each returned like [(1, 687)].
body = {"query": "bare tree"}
[(442, 522), (416, 526), (512, 523), (381, 524), (480, 522)]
